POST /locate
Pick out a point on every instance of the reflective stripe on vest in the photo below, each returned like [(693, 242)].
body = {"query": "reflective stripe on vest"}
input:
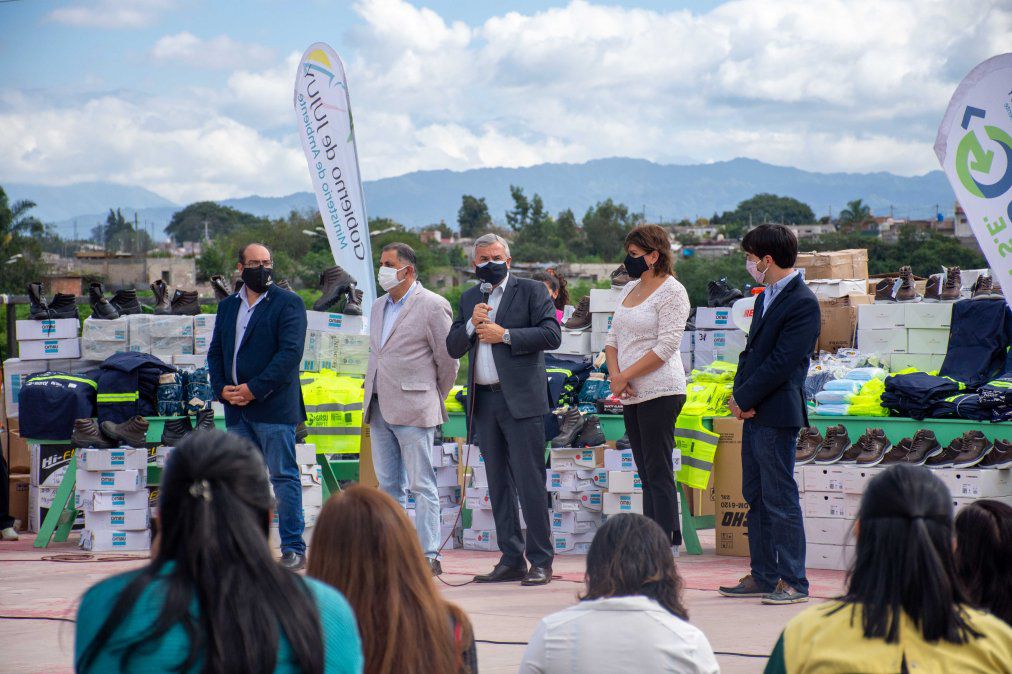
[(67, 377), (334, 430), (335, 407), (129, 397), (698, 446)]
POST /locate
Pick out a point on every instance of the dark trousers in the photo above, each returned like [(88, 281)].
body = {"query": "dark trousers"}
[(514, 453), (651, 429), (776, 533), (5, 494)]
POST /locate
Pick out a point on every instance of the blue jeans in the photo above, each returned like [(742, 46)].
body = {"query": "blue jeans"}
[(776, 533), (277, 443), (402, 458)]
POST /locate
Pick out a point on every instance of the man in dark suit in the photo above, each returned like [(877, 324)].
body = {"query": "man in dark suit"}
[(769, 397), (506, 332), (253, 361)]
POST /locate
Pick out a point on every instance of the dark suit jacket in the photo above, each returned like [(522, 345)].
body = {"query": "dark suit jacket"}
[(269, 357), (773, 367), (527, 311)]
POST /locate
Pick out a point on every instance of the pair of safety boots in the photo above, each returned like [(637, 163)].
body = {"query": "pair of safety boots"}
[(177, 429), (182, 303), (221, 290), (61, 306), (836, 447), (130, 433), (123, 302), (972, 449), (900, 289), (338, 291), (578, 430)]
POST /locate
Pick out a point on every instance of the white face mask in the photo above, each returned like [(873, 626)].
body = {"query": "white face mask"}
[(387, 277)]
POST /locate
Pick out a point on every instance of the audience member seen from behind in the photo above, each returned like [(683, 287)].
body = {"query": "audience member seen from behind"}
[(984, 556), (557, 288), (631, 619), (213, 599), (903, 609), (365, 546)]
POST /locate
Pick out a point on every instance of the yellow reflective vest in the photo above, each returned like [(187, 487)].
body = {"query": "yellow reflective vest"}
[(697, 445), (334, 405)]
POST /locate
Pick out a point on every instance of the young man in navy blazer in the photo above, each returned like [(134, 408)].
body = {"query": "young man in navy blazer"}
[(769, 397), (253, 361)]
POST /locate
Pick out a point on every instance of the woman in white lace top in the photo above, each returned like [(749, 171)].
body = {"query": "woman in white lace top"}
[(645, 368)]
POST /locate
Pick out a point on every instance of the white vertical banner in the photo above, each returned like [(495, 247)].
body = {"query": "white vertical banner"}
[(323, 110), (974, 146)]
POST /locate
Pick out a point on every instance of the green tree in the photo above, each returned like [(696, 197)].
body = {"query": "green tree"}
[(696, 272), (20, 248), (605, 227), (189, 223), (119, 234), (855, 216), (764, 208), (473, 217)]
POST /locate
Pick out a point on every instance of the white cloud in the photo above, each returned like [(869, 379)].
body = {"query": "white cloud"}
[(111, 13), (221, 52)]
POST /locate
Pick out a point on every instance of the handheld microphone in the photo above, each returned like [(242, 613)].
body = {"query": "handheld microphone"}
[(486, 290)]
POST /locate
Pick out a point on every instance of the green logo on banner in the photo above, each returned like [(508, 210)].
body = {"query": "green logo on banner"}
[(971, 156)]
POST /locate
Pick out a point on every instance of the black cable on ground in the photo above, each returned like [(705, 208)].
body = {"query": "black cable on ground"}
[(525, 643), (32, 617)]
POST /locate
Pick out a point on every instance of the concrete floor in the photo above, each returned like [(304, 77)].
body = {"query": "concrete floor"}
[(35, 584)]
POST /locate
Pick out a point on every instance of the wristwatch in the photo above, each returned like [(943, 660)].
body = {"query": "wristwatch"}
[(506, 337)]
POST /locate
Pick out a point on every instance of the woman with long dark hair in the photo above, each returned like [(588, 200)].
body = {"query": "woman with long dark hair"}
[(904, 609), (213, 599), (631, 616), (365, 546), (557, 289), (984, 556)]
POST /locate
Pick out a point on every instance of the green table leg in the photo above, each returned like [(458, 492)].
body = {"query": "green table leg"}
[(330, 484), (55, 521), (692, 523)]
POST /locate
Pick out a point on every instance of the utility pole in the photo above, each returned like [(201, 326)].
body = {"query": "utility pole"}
[(206, 237)]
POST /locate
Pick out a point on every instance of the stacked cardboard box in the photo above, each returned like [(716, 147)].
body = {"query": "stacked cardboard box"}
[(49, 463), (48, 339), (445, 463), (480, 535), (577, 508), (112, 493), (336, 342), (621, 482), (203, 330), (603, 303), (101, 339), (716, 337), (905, 335), (311, 476), (839, 264)]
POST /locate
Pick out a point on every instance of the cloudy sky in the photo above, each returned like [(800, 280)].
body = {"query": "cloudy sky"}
[(193, 98)]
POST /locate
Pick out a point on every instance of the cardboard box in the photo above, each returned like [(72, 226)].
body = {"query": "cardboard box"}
[(702, 501), (566, 501), (928, 314), (688, 361), (799, 478), (977, 482), (480, 539), (112, 480), (839, 321), (335, 323), (731, 508), (17, 500), (201, 344), (446, 476), (850, 264), (824, 503), (471, 455), (601, 322), (615, 504), (570, 480), (881, 316), (312, 496), (204, 323), (604, 300), (624, 482), (830, 289), (714, 318), (598, 341), (577, 459), (43, 349), (98, 330), (619, 459), (688, 341), (856, 478), (15, 373), (828, 531), (479, 477), (190, 362), (834, 557), (575, 521), (572, 544), (477, 499), (51, 328), (102, 501), (825, 478), (93, 350), (118, 520), (40, 500), (107, 540), (883, 342), (19, 458), (574, 343), (922, 362), (933, 341), (49, 463), (482, 519), (305, 454), (123, 458), (711, 345), (171, 326), (445, 454)]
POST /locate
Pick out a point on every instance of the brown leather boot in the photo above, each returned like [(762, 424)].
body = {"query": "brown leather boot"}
[(809, 441), (131, 433), (185, 303), (163, 306), (87, 434), (952, 291), (907, 291), (580, 320)]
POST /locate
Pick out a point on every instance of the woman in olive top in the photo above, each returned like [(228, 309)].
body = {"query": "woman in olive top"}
[(904, 610), (213, 599)]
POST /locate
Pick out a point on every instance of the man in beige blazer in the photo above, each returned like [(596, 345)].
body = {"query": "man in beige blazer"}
[(410, 373)]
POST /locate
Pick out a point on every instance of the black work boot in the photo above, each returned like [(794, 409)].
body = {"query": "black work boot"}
[(334, 284), (185, 303), (205, 420), (87, 434), (283, 283), (126, 302), (64, 306), (580, 320), (353, 305), (569, 429), (221, 290), (131, 433), (40, 310), (720, 294), (100, 306), (591, 435), (163, 307), (175, 430), (623, 442)]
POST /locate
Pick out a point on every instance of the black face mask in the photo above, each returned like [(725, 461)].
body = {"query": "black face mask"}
[(636, 266), (492, 271), (259, 279)]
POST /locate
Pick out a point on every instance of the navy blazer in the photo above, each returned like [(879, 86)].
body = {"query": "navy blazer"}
[(773, 367), (269, 357), (527, 311)]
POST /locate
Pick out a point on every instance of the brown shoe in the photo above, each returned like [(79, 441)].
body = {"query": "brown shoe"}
[(858, 448), (945, 458), (975, 447), (131, 433), (999, 457), (876, 445), (746, 587), (619, 278), (924, 446), (934, 287), (885, 290), (835, 445), (580, 320), (983, 289), (952, 291), (907, 291), (809, 441), (898, 454)]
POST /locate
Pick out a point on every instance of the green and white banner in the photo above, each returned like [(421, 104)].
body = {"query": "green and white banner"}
[(323, 110), (974, 146)]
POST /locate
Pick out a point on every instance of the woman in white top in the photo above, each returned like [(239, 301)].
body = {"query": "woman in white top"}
[(631, 619), (646, 371)]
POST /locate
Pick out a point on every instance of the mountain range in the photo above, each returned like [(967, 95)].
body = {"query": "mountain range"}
[(663, 191)]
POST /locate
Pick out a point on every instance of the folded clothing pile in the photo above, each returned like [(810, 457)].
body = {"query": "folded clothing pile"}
[(915, 394)]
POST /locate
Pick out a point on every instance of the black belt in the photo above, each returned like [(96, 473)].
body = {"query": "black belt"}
[(490, 388)]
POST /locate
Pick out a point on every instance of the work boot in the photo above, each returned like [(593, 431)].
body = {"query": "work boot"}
[(945, 458), (952, 291), (126, 302), (996, 293), (907, 291), (100, 306), (185, 303), (221, 290), (175, 430), (720, 294), (619, 278), (334, 284), (835, 445), (875, 445), (975, 448), (569, 429), (999, 457), (39, 310), (87, 434), (205, 420), (983, 288), (923, 447), (131, 433), (933, 291), (623, 442), (885, 290), (591, 435), (163, 307), (301, 432), (64, 306), (353, 305), (580, 320), (809, 441), (283, 283), (898, 454)]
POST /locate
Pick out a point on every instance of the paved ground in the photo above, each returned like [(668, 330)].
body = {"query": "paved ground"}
[(34, 587)]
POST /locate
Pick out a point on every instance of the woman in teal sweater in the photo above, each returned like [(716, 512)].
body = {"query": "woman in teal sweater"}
[(213, 599)]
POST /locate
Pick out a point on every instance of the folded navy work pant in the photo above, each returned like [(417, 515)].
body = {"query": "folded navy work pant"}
[(978, 341)]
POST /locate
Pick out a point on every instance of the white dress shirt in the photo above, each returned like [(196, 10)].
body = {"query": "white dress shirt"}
[(391, 311), (773, 289), (242, 319), (484, 364)]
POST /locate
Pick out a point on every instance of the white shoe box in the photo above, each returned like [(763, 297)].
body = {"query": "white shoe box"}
[(45, 349), (932, 341), (118, 520), (122, 458), (574, 343), (572, 544), (711, 345), (928, 315), (108, 540), (470, 455), (572, 501), (479, 476), (445, 454), (575, 522), (799, 478), (881, 316), (482, 519), (923, 362), (824, 478), (881, 341), (828, 531), (190, 362), (688, 361), (98, 330), (477, 498), (170, 326), (619, 459), (99, 501), (576, 459), (327, 322), (204, 323), (598, 340), (446, 476), (601, 321), (112, 480), (856, 478), (824, 504), (604, 300), (714, 318), (305, 454), (50, 328), (833, 557), (976, 482), (480, 539), (624, 482), (615, 504), (571, 480), (201, 344)]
